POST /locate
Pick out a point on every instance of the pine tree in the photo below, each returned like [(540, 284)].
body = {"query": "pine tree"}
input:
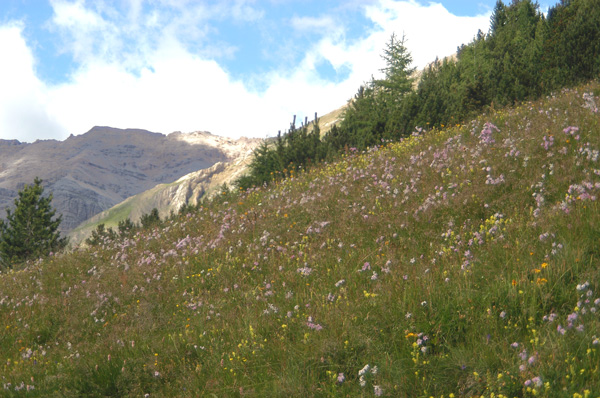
[(100, 235), (398, 73), (151, 219), (30, 231)]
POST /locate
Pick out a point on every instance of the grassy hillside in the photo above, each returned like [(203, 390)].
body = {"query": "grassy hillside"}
[(461, 262)]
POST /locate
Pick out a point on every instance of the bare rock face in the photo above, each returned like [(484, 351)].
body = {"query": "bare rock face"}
[(92, 172), (189, 189)]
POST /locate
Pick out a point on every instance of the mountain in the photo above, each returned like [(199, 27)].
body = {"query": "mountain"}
[(92, 172), (167, 198)]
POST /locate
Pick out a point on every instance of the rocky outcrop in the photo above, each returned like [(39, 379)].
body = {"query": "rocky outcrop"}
[(189, 189)]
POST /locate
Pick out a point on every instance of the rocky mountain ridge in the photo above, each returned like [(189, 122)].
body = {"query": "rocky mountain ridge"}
[(92, 172), (166, 198)]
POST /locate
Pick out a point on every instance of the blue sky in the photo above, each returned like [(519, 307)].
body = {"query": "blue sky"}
[(231, 67)]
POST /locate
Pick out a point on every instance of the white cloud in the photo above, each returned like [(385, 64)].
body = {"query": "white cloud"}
[(23, 97), (431, 31), (314, 24), (147, 70)]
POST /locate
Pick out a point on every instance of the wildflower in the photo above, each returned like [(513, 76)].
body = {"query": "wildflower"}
[(537, 381), (571, 130), (503, 315), (362, 381), (364, 370), (340, 282), (341, 378), (515, 345), (583, 286), (378, 391), (314, 326), (305, 271), (550, 318), (523, 355)]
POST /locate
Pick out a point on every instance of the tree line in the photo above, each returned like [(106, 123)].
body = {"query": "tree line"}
[(523, 56)]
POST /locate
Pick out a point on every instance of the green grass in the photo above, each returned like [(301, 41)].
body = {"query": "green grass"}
[(402, 258)]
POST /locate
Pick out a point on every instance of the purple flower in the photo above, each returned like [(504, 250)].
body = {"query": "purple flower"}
[(571, 130), (341, 378), (314, 326), (378, 391), (523, 355)]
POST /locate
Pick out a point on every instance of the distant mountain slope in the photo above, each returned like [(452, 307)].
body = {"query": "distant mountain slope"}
[(167, 198), (92, 172)]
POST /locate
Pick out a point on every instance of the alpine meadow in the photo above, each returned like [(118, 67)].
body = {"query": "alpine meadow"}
[(396, 255)]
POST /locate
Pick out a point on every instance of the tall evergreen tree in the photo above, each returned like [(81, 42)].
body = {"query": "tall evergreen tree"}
[(30, 230), (398, 71)]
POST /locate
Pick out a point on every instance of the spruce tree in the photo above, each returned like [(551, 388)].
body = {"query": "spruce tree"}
[(29, 231)]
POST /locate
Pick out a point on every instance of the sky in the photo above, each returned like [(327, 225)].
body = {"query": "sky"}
[(231, 67)]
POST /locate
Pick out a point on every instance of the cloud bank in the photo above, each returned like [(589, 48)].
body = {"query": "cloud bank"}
[(159, 68)]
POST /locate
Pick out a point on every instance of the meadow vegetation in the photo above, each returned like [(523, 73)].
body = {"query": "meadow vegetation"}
[(460, 261), (455, 259)]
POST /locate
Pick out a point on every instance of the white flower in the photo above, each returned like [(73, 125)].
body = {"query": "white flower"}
[(362, 381), (364, 370)]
